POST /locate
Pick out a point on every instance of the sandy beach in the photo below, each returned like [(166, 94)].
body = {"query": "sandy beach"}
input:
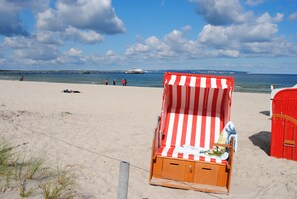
[(92, 131)]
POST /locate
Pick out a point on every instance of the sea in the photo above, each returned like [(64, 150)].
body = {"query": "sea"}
[(244, 81)]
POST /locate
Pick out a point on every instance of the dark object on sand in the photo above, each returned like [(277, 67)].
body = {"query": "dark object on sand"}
[(70, 91)]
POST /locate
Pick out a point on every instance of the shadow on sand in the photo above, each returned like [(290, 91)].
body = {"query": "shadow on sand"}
[(267, 113), (262, 140)]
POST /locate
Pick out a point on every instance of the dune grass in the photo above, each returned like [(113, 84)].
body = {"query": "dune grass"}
[(59, 186), (29, 174)]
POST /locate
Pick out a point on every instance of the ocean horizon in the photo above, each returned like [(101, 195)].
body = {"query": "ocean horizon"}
[(244, 81)]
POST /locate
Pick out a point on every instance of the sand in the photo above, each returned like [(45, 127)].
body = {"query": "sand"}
[(92, 131)]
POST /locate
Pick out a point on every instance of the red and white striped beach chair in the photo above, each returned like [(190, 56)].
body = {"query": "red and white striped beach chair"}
[(195, 109)]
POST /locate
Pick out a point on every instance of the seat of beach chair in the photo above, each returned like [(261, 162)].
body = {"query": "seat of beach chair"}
[(179, 152)]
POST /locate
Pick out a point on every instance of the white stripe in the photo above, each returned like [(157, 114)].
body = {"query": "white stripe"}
[(208, 119), (181, 116), (185, 156), (165, 151), (203, 82), (182, 80), (189, 128), (207, 159), (196, 157), (193, 82), (175, 153), (224, 83), (172, 80), (190, 115), (213, 82), (172, 116), (170, 129)]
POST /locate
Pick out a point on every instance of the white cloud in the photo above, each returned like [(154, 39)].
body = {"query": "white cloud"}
[(293, 16), (235, 35), (29, 48), (137, 48), (73, 52), (18, 42), (224, 53), (48, 37), (88, 37), (218, 12), (43, 53), (95, 15), (10, 22), (279, 17), (110, 53), (254, 2)]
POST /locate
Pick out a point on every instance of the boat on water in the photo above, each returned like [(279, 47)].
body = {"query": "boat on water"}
[(135, 71)]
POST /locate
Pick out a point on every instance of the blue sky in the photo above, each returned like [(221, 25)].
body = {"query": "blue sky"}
[(258, 36)]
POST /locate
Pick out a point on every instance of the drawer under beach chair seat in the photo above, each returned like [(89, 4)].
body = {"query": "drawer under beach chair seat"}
[(197, 175), (172, 152)]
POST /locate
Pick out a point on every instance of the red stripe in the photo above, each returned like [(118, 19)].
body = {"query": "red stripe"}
[(213, 117), (186, 113), (169, 98), (201, 158), (223, 111), (195, 113), (191, 157), (203, 122), (170, 152), (180, 155), (219, 83)]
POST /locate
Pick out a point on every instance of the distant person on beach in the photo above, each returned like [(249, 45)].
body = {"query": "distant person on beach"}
[(22, 78), (126, 82), (272, 87), (106, 82), (123, 82), (114, 82)]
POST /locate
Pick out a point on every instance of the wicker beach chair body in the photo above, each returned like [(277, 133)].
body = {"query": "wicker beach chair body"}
[(195, 109), (284, 124)]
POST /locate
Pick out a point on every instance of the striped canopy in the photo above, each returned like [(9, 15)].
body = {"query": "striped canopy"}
[(202, 81)]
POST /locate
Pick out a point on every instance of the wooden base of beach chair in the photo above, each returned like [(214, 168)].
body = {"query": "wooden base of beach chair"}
[(188, 185), (188, 174)]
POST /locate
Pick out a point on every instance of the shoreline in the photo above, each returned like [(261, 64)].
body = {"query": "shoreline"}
[(117, 85), (92, 130)]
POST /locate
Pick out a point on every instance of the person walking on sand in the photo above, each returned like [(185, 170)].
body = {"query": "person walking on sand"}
[(114, 82), (126, 82), (106, 82), (123, 82), (272, 87)]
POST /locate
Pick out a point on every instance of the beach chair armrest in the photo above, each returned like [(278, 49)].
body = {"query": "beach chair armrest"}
[(157, 134), (222, 145)]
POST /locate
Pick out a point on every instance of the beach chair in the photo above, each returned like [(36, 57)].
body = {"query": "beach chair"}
[(284, 124), (195, 110)]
